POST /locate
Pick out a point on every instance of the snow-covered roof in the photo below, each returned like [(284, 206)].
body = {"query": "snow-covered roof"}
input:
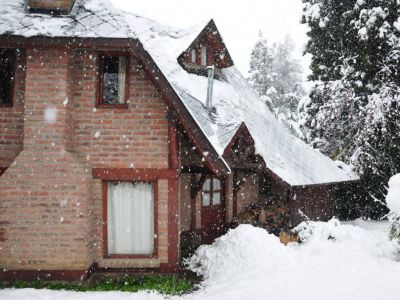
[(235, 102)]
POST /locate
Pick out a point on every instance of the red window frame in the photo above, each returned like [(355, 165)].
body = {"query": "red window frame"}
[(10, 53), (212, 191), (100, 83), (105, 222)]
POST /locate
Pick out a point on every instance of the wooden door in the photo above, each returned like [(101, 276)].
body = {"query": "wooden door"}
[(212, 210)]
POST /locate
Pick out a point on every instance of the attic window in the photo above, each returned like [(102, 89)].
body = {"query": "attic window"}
[(113, 81), (7, 67), (204, 55), (193, 56)]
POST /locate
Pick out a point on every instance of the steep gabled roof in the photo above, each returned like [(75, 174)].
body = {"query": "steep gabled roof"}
[(235, 102), (210, 29)]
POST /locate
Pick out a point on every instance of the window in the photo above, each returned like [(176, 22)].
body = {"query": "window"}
[(113, 80), (194, 56), (211, 192), (7, 67), (130, 218), (203, 55)]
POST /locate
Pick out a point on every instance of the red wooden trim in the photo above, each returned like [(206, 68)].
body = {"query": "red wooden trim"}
[(2, 170), (235, 196), (105, 224), (173, 205), (173, 225), (242, 131), (192, 202), (100, 77), (126, 174), (13, 56)]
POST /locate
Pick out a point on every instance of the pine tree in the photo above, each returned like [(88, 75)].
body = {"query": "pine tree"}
[(261, 66), (353, 110), (277, 77)]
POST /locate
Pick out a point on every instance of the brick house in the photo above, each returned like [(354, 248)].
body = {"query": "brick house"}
[(119, 137)]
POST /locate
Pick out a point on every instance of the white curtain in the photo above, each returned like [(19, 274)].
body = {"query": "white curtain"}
[(130, 218), (121, 79)]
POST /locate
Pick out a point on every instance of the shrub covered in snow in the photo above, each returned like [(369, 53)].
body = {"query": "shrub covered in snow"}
[(393, 203)]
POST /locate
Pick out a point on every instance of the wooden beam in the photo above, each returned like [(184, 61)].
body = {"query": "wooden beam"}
[(133, 174), (194, 170), (195, 188), (173, 153)]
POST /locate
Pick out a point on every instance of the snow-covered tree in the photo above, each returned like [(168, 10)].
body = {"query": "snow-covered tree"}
[(353, 112), (261, 66), (277, 77)]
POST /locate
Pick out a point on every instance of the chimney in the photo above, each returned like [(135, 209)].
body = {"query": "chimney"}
[(59, 7), (211, 71)]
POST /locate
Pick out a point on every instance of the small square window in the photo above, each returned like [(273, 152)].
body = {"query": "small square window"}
[(113, 80), (7, 67)]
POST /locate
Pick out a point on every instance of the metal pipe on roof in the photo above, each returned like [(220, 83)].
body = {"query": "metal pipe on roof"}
[(211, 71)]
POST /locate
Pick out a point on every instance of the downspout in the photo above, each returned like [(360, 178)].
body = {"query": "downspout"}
[(211, 71)]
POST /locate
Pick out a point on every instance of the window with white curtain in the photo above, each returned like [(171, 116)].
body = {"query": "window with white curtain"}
[(130, 218)]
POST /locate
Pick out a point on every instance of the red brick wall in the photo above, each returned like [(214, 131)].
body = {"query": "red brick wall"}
[(12, 118), (45, 194), (119, 138), (51, 208)]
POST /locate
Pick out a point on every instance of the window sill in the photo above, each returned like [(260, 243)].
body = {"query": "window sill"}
[(131, 256), (115, 106)]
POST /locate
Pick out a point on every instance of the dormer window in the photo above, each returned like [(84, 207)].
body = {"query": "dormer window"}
[(208, 49), (193, 56), (204, 55)]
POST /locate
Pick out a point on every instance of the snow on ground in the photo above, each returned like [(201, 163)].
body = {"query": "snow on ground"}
[(353, 260)]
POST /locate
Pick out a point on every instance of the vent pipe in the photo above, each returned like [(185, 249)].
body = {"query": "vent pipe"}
[(211, 71)]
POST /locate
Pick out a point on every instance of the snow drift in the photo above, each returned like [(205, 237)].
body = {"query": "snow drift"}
[(335, 261)]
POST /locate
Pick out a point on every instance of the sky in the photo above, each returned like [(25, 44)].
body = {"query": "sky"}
[(238, 21)]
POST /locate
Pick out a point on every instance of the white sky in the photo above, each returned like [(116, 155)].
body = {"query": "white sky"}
[(239, 21)]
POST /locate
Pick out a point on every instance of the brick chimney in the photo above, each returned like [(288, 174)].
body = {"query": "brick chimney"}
[(50, 6)]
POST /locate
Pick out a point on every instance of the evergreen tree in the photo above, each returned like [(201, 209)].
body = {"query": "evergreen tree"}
[(261, 66), (353, 111), (277, 77)]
